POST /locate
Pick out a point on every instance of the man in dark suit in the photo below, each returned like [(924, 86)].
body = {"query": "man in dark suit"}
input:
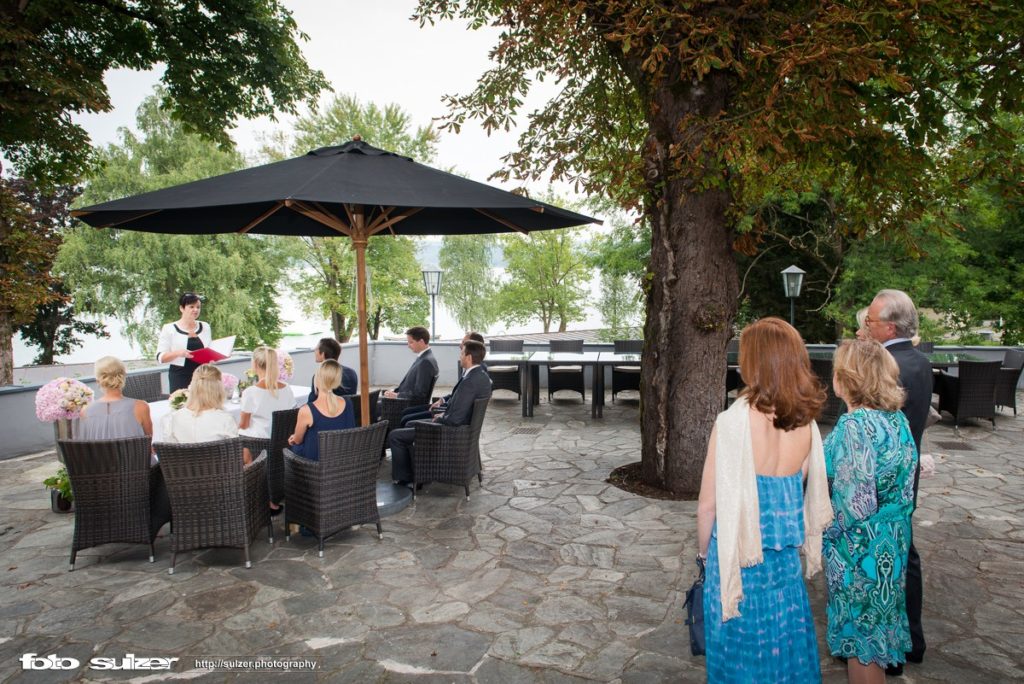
[(474, 385), (329, 348), (419, 379), (426, 411), (892, 320)]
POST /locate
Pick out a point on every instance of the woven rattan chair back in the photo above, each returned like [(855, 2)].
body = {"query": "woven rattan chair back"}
[(629, 346), (1009, 378), (926, 347), (506, 346), (338, 491), (357, 409), (563, 375), (449, 454), (216, 502), (111, 481), (972, 393), (566, 346), (144, 386)]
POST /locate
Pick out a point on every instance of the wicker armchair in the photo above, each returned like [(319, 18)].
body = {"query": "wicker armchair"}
[(144, 386), (834, 406), (339, 490), (566, 377), (625, 378), (506, 377), (391, 409), (281, 428), (926, 347), (215, 500), (971, 394), (449, 454), (358, 409), (114, 487), (1009, 376)]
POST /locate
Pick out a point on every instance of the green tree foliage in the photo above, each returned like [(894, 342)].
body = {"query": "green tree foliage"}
[(221, 60), (548, 272), (686, 111), (28, 242), (469, 287), (138, 277), (396, 299), (55, 328), (619, 306)]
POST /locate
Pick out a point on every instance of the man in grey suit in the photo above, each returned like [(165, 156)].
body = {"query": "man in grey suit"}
[(475, 384), (419, 379), (892, 320)]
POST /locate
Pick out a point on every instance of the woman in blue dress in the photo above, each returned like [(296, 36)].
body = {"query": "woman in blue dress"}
[(763, 498), (327, 412), (870, 458)]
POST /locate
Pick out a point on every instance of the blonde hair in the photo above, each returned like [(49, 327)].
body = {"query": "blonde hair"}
[(868, 375), (862, 318), (110, 373), (206, 391), (265, 359), (328, 376)]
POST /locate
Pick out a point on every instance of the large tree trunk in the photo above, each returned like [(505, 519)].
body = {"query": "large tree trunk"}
[(692, 297)]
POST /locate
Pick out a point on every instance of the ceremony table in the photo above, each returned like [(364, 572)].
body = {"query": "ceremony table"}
[(159, 409)]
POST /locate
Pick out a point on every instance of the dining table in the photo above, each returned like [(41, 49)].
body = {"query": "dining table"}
[(159, 409)]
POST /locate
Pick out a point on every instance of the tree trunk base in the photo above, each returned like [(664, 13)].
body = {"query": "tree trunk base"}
[(629, 478)]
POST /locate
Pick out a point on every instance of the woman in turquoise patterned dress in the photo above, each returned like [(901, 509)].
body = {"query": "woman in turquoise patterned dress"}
[(870, 457), (754, 515)]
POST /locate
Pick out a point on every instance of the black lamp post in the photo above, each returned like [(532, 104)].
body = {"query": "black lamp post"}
[(792, 281), (432, 282)]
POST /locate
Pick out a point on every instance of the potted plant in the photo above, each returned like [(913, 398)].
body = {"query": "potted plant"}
[(61, 496)]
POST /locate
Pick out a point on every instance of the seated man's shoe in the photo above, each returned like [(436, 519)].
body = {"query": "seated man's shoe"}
[(894, 670)]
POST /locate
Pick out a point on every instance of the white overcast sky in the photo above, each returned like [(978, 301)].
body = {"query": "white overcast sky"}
[(374, 51)]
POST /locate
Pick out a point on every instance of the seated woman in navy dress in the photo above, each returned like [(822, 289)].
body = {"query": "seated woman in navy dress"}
[(327, 412)]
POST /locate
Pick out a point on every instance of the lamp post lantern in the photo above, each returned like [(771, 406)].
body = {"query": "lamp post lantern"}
[(792, 281), (432, 283)]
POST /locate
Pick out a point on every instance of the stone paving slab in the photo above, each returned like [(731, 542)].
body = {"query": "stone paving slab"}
[(547, 574)]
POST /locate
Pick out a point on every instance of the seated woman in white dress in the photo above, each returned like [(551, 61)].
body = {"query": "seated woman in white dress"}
[(202, 419), (268, 395)]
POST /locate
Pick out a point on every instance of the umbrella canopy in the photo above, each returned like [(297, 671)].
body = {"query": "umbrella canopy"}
[(353, 189)]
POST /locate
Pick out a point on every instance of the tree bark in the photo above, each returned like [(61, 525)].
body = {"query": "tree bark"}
[(6, 348), (692, 299), (338, 326)]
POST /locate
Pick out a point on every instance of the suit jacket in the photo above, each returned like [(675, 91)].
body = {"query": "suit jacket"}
[(448, 397), (475, 384), (916, 379), (349, 384), (419, 379)]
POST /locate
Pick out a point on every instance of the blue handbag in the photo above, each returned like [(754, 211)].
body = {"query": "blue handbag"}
[(694, 607)]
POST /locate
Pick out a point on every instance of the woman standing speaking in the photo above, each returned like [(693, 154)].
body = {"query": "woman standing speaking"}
[(179, 339)]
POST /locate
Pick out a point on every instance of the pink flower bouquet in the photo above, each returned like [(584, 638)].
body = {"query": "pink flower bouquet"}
[(285, 366), (61, 398), (230, 382)]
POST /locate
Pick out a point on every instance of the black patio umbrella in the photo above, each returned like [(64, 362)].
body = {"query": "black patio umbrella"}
[(354, 190)]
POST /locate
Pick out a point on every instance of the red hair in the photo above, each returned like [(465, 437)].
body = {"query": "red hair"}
[(777, 372)]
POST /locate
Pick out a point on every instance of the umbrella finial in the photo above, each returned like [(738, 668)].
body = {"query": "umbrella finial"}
[(357, 137)]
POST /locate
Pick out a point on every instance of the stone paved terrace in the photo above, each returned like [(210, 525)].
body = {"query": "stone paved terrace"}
[(547, 574)]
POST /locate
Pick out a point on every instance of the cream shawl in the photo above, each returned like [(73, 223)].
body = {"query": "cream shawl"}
[(736, 505)]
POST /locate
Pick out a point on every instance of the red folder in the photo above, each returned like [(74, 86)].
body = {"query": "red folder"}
[(207, 355)]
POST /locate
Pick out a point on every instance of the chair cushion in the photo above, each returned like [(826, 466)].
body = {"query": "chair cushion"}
[(627, 369), (565, 369), (502, 369)]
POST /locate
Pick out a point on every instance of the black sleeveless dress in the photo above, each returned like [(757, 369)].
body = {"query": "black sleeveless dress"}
[(180, 377)]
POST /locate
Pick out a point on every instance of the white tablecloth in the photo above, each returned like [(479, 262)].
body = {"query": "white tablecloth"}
[(159, 409)]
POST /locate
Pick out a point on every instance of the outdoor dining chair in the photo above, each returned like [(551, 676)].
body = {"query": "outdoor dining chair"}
[(972, 393), (339, 490), (216, 501), (562, 376), (114, 488), (144, 386), (1009, 376), (391, 409), (626, 378), (282, 427), (448, 453), (506, 377), (834, 406)]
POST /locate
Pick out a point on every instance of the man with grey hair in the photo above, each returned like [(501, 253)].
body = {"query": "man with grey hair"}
[(892, 320)]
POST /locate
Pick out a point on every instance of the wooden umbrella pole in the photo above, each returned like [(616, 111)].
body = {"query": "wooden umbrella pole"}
[(359, 240)]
